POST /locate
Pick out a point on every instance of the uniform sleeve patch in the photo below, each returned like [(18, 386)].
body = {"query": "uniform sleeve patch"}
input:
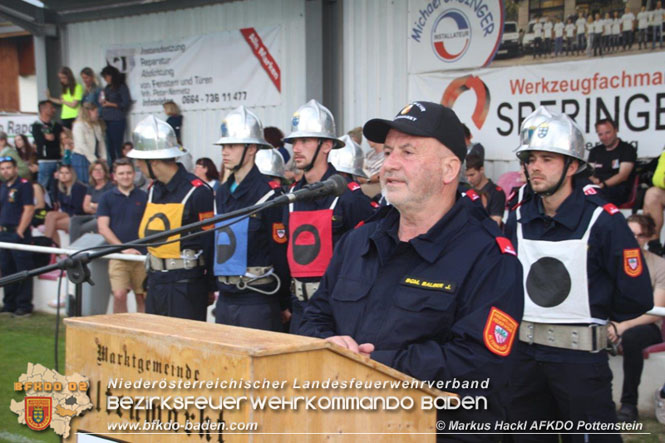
[(279, 233), (205, 215), (506, 246), (473, 195), (590, 190), (197, 182), (632, 262), (500, 331), (274, 184), (610, 208), (353, 186)]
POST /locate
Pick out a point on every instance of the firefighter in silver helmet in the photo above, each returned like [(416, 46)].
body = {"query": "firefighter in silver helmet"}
[(180, 279), (250, 254), (582, 268), (315, 226)]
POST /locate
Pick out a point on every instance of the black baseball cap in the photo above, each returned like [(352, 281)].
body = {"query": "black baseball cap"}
[(422, 119)]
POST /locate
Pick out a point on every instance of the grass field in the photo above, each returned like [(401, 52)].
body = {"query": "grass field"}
[(24, 340), (32, 340)]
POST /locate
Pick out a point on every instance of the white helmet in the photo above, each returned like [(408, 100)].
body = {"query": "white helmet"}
[(242, 127), (313, 120), (558, 134), (270, 162), (349, 159), (155, 139)]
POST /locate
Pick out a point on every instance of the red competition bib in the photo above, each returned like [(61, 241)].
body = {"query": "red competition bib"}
[(310, 242)]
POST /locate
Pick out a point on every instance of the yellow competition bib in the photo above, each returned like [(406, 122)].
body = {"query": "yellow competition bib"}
[(160, 217)]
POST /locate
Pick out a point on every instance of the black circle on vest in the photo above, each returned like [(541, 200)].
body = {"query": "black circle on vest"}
[(548, 282), (158, 216), (225, 252), (305, 254)]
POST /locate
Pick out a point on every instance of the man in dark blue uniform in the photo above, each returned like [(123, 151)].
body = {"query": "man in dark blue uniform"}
[(16, 209), (582, 268), (431, 288), (250, 254), (314, 227), (180, 278)]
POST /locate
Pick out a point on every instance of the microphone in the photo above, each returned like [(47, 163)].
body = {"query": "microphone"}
[(335, 185)]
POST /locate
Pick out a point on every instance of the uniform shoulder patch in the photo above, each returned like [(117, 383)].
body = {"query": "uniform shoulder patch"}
[(506, 246), (274, 184), (473, 195), (499, 333), (374, 204), (610, 208), (24, 180), (279, 233), (353, 186), (498, 188), (590, 190), (360, 223), (632, 262), (197, 182)]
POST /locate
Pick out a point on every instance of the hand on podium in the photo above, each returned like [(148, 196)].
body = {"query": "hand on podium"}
[(364, 349)]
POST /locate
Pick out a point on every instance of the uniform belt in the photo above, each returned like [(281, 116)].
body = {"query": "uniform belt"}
[(303, 290), (7, 228), (189, 261), (591, 338), (244, 280)]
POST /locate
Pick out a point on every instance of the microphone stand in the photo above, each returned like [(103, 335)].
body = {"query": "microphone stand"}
[(77, 265)]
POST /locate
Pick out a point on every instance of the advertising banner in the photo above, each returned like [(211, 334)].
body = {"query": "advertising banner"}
[(214, 71), (493, 102)]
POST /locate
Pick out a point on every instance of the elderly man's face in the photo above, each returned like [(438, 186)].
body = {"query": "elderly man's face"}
[(413, 169)]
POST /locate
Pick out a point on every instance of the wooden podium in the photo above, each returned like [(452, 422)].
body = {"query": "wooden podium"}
[(128, 348)]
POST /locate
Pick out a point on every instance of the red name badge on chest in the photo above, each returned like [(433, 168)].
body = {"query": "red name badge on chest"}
[(310, 242)]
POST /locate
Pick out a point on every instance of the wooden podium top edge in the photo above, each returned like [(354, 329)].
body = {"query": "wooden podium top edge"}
[(250, 342)]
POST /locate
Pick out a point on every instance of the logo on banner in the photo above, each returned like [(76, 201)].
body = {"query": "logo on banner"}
[(465, 83), (451, 35)]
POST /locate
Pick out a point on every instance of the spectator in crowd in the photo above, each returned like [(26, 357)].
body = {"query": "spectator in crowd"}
[(275, 137), (613, 161), (627, 26), (119, 215), (598, 26), (91, 89), (42, 204), (636, 334), (205, 170), (174, 118), (100, 182), (69, 203), (7, 150), (357, 135), (642, 26), (656, 21), (67, 146), (28, 154), (89, 140), (16, 208), (70, 99), (139, 179), (46, 134), (115, 101), (496, 198), (476, 149)]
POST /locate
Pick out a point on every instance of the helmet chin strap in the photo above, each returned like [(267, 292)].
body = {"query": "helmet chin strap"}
[(553, 189), (311, 164), (242, 159), (150, 171)]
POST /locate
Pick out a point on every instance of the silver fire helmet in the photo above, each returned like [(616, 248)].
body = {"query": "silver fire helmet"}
[(155, 139), (270, 162), (242, 127), (313, 120), (349, 159)]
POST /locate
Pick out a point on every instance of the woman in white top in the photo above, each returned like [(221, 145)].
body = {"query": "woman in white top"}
[(89, 140)]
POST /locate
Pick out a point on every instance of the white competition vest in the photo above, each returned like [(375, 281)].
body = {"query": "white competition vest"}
[(556, 285)]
